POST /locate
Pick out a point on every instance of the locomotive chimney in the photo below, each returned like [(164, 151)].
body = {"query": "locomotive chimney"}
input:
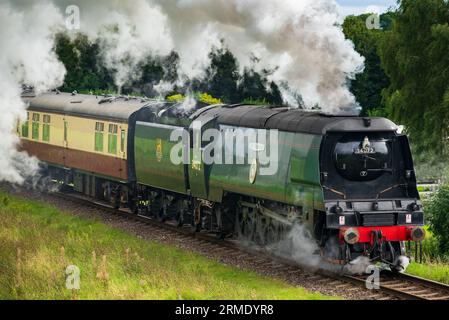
[(367, 122)]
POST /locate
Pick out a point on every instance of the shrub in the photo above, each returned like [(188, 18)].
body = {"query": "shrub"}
[(208, 99), (175, 98), (438, 216), (430, 247), (201, 97)]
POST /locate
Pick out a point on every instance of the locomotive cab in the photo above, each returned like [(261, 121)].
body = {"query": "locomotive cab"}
[(369, 186)]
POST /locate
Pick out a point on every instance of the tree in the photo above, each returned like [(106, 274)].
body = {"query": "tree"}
[(368, 86), (86, 71), (274, 95), (254, 86), (414, 54), (81, 60), (153, 71), (224, 81), (222, 75), (438, 214)]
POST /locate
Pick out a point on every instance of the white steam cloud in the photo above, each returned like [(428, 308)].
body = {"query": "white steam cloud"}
[(128, 34), (26, 56), (301, 40), (298, 246)]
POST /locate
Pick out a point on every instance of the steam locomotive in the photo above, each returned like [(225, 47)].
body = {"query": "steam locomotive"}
[(349, 180)]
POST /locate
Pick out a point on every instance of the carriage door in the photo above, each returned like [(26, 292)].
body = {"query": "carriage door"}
[(65, 140), (199, 172)]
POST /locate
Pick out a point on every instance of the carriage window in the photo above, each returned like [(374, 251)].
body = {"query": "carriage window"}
[(112, 139), (122, 141), (46, 128), (35, 127), (99, 130), (26, 127)]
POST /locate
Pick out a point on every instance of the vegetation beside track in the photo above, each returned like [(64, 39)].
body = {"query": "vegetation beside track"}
[(38, 242), (434, 266), (436, 271)]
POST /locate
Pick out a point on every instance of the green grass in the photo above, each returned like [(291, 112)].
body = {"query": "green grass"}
[(436, 271), (434, 267), (38, 242)]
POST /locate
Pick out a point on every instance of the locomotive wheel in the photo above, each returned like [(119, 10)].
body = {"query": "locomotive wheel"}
[(197, 217), (196, 227), (180, 218), (271, 234), (116, 200), (245, 224), (107, 194), (133, 207), (221, 235), (161, 216), (261, 230), (180, 222)]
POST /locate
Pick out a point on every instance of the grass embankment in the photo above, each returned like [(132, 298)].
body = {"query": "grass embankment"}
[(434, 267), (38, 242), (434, 271)]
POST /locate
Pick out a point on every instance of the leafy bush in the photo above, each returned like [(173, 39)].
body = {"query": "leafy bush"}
[(430, 247), (438, 215), (201, 97), (208, 99), (175, 98), (378, 112)]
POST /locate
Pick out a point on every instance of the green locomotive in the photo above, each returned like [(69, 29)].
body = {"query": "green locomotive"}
[(349, 180)]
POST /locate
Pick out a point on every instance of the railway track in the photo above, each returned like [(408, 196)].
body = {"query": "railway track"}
[(392, 286), (405, 286)]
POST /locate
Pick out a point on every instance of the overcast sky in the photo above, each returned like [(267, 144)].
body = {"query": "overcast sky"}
[(363, 6)]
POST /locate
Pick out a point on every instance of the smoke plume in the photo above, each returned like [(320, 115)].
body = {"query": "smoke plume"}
[(26, 57), (301, 40)]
